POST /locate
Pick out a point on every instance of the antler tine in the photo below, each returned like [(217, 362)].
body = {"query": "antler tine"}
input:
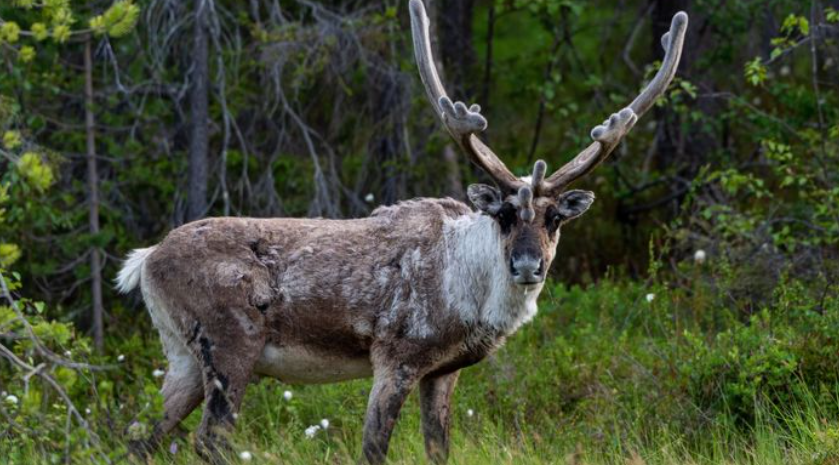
[(672, 56), (607, 135), (461, 122)]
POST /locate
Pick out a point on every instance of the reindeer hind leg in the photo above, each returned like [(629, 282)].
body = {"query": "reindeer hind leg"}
[(183, 391), (227, 353)]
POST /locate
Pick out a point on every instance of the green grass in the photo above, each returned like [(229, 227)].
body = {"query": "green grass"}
[(601, 376), (800, 437)]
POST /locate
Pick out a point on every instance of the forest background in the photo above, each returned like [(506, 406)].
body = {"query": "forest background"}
[(692, 315)]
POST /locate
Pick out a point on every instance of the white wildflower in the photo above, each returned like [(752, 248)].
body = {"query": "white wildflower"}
[(312, 431), (11, 399), (287, 395), (470, 413), (246, 456), (157, 373), (68, 354), (324, 423), (369, 198), (87, 411), (120, 358), (699, 256), (650, 297), (785, 70)]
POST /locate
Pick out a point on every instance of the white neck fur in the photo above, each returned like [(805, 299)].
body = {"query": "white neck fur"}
[(476, 282)]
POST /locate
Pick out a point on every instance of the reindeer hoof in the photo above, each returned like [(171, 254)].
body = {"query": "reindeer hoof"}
[(141, 450), (213, 448)]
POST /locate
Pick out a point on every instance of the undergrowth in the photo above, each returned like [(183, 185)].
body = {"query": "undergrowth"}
[(618, 372)]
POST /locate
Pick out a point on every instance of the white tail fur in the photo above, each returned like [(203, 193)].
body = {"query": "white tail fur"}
[(129, 276)]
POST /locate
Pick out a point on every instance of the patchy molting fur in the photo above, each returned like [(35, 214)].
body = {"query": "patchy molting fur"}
[(419, 289)]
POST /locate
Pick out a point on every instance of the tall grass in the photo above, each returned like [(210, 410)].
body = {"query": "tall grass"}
[(603, 375)]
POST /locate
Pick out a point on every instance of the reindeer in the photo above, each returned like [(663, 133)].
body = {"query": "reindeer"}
[(410, 295)]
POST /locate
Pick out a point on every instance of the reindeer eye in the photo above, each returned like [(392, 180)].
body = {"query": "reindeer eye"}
[(507, 217), (552, 220)]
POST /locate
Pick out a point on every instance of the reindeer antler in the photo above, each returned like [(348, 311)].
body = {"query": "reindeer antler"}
[(461, 122), (607, 135)]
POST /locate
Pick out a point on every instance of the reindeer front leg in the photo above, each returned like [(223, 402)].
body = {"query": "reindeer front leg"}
[(391, 386), (435, 407)]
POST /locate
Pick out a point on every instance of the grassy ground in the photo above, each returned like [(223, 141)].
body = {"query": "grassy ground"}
[(607, 375), (601, 376), (804, 437)]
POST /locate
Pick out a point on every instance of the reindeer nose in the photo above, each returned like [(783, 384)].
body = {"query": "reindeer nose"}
[(527, 269)]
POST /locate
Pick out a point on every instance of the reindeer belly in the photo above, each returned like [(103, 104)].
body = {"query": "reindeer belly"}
[(301, 365)]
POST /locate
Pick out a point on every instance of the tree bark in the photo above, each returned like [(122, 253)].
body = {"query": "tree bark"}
[(93, 199), (668, 146), (447, 36), (458, 51), (682, 151), (454, 184), (687, 151), (199, 109), (486, 82), (386, 145)]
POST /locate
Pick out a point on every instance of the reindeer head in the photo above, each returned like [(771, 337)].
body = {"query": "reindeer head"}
[(530, 210), (529, 225)]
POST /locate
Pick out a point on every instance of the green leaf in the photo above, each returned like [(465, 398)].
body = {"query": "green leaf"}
[(10, 32), (9, 254), (12, 140), (755, 72), (119, 20), (38, 174), (40, 31)]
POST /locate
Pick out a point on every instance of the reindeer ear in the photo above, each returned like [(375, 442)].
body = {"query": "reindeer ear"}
[(485, 198), (574, 203)]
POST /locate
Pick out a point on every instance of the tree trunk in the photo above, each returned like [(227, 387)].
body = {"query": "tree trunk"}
[(454, 184), (668, 148), (686, 151), (486, 82), (458, 52), (199, 109), (386, 144), (675, 150), (93, 198), (446, 37)]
